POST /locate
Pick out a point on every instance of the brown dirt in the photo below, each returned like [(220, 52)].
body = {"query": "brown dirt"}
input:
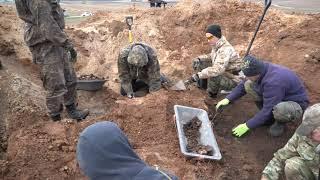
[(192, 133), (37, 148)]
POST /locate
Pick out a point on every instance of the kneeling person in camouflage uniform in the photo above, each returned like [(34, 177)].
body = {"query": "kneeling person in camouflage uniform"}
[(138, 68), (53, 52), (218, 70), (277, 91), (299, 158)]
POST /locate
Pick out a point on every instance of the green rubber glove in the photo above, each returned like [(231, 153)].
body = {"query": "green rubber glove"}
[(240, 130), (221, 103)]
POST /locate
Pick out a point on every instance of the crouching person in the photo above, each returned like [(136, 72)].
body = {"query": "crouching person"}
[(220, 69), (277, 91), (298, 159), (138, 68), (104, 152)]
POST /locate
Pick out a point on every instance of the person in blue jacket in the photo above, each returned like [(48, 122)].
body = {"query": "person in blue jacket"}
[(277, 91), (104, 153)]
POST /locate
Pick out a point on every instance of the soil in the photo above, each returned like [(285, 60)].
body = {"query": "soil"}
[(192, 133), (33, 147)]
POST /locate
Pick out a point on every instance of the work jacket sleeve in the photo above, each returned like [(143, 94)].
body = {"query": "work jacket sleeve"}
[(272, 95), (205, 58), (237, 92), (124, 73), (220, 63), (276, 166)]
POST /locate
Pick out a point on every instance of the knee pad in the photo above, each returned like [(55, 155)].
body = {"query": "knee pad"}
[(287, 111)]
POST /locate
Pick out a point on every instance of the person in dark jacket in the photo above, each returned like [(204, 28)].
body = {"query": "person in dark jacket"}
[(104, 152), (277, 91)]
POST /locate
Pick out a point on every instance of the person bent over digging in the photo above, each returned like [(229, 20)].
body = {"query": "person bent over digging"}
[(138, 69), (220, 69), (299, 158), (277, 91)]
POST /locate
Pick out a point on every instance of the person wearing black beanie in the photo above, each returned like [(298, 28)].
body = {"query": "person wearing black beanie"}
[(214, 30), (277, 91), (219, 69)]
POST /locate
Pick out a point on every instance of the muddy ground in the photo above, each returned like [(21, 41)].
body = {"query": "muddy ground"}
[(33, 147)]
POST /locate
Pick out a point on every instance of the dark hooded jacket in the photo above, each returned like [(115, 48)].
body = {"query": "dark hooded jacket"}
[(104, 153)]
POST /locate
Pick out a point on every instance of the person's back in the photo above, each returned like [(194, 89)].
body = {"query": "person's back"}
[(291, 85), (104, 152)]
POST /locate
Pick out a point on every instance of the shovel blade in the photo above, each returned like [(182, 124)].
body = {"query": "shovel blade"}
[(179, 86)]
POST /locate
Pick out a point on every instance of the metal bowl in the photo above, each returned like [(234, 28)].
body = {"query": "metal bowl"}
[(90, 85)]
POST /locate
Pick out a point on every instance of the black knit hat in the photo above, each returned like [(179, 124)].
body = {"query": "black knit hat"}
[(214, 30), (252, 66)]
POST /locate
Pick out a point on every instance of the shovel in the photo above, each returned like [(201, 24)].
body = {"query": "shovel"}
[(129, 21), (267, 4), (179, 86)]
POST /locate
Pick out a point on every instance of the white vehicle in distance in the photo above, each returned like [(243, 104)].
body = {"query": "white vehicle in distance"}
[(85, 14)]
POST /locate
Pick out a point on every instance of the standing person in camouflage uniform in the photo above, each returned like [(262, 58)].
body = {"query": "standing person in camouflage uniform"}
[(218, 70), (298, 159), (155, 3), (138, 68), (53, 52), (277, 91)]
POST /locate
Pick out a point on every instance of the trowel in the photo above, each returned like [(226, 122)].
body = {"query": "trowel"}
[(179, 86)]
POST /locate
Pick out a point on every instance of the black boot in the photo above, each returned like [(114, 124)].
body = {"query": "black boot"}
[(75, 113), (276, 129), (56, 118)]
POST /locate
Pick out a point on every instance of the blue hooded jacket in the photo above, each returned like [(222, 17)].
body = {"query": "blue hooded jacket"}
[(104, 153), (275, 84)]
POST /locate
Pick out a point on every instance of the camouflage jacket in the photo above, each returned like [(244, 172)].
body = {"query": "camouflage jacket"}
[(224, 59), (149, 73), (300, 146), (44, 21)]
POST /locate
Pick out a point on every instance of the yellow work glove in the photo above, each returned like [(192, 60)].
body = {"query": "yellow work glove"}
[(240, 130), (221, 103)]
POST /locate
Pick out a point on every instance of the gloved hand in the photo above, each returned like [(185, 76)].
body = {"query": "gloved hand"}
[(130, 95), (222, 103), (194, 78), (196, 63), (73, 53), (240, 130)]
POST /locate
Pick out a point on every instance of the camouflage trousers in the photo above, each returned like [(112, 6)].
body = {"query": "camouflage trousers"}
[(57, 75), (296, 168), (214, 84), (283, 112)]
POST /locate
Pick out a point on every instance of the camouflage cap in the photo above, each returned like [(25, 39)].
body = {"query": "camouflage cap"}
[(138, 56), (310, 121)]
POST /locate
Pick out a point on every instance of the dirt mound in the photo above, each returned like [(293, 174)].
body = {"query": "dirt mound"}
[(11, 29), (40, 149)]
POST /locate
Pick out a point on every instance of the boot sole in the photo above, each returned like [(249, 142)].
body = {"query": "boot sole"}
[(83, 117)]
